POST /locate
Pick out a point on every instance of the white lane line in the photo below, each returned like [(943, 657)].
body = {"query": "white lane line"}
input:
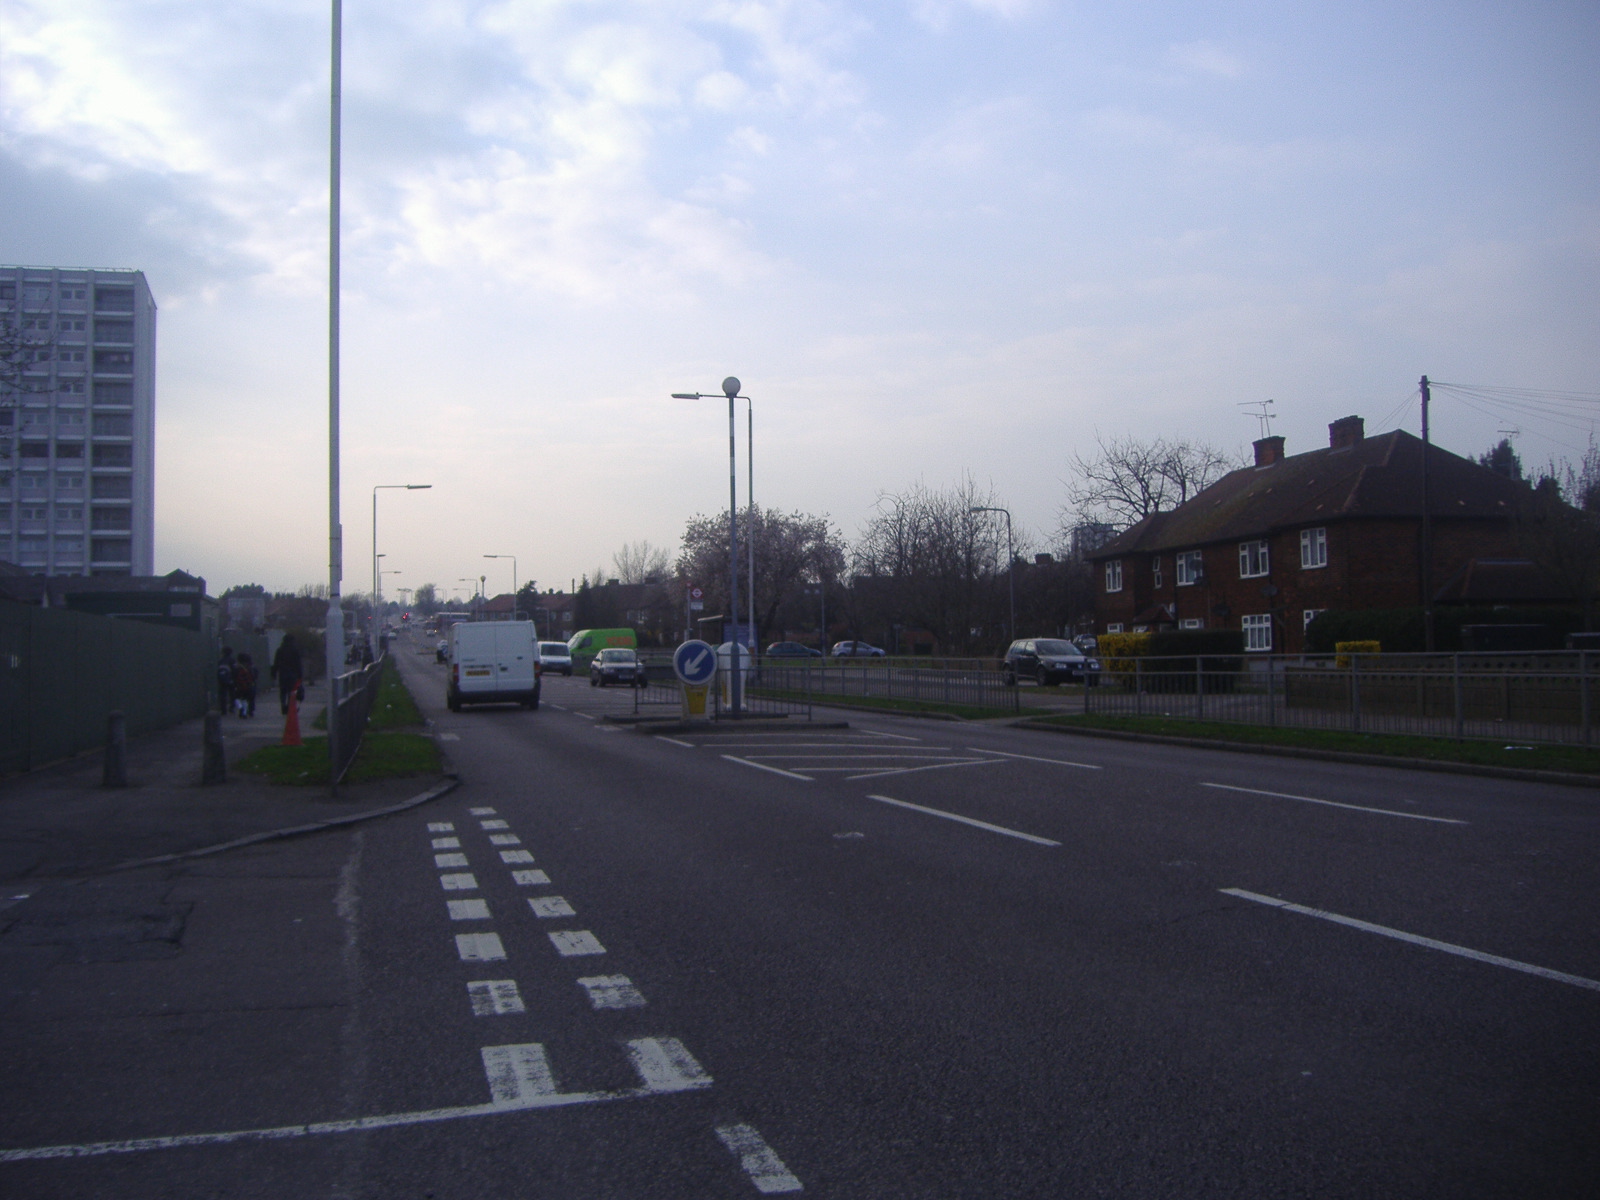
[(551, 906), (448, 843), (612, 991), (449, 737), (1417, 939), (904, 737), (464, 882), (515, 856), (573, 942), (661, 737), (526, 1102), (504, 839), (665, 1066), (557, 707), (587, 716), (449, 860), (743, 745), (518, 1072), (1060, 762), (468, 910), (949, 816), (494, 997), (765, 1168), (934, 754), (495, 824), (965, 762), (480, 812), (1386, 812), (529, 878), (479, 947), (441, 827), (764, 767)]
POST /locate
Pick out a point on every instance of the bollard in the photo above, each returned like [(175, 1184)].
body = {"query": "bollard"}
[(215, 767), (115, 772)]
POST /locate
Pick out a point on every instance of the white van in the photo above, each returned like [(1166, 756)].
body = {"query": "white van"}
[(493, 662)]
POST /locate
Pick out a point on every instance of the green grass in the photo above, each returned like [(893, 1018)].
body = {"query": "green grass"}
[(393, 707), (1491, 754), (383, 755), (971, 712)]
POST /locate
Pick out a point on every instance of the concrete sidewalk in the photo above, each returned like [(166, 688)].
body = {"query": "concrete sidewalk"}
[(59, 823)]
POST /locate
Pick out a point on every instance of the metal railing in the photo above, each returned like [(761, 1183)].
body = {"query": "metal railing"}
[(978, 684), (1524, 697), (356, 691)]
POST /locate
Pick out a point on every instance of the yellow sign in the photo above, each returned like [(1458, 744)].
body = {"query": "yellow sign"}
[(694, 701)]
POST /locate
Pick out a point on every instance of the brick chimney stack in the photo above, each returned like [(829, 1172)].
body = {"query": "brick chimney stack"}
[(1269, 450), (1346, 432)]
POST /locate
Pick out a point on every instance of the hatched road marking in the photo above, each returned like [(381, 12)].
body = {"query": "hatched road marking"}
[(1385, 812), (949, 816)]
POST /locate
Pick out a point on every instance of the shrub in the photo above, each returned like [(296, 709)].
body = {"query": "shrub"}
[(1346, 649), (1401, 629), (1172, 656)]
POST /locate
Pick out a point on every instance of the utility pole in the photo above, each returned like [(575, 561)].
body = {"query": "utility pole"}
[(333, 637), (1427, 531)]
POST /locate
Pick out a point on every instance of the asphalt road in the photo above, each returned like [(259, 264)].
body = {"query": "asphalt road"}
[(905, 959)]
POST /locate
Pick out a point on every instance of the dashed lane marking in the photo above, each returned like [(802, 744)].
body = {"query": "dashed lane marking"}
[(518, 1072), (1416, 939), (480, 812), (1385, 812), (950, 816), (760, 1162), (480, 947), (661, 737), (449, 737), (441, 827), (570, 943), (515, 856), (494, 997), (494, 824), (529, 878), (1060, 762), (665, 1066), (764, 767), (551, 906), (464, 882), (449, 860), (504, 839), (468, 910), (585, 716), (612, 991), (447, 843)]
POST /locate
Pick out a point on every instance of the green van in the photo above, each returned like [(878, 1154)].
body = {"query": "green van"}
[(586, 643)]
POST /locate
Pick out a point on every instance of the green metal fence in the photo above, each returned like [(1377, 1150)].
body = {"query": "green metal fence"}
[(62, 673)]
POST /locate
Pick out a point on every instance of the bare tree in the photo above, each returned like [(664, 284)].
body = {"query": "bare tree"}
[(791, 549), (1558, 527), (640, 562), (1131, 478)]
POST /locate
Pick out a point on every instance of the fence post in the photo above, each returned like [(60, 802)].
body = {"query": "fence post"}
[(1583, 693), (1272, 698), (214, 763), (1138, 687), (114, 774), (1461, 717), (1199, 688), (1355, 693)]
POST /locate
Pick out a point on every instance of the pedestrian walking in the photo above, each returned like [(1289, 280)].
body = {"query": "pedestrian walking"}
[(288, 671), (225, 680), (244, 686)]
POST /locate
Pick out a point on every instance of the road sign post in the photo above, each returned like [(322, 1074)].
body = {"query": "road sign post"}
[(695, 665)]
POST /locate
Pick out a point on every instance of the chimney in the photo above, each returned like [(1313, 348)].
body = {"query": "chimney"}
[(1346, 432), (1269, 450)]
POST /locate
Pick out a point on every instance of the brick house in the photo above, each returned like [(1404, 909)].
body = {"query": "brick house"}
[(1267, 547)]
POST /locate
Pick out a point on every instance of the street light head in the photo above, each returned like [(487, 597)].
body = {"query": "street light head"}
[(416, 487), (686, 395), (730, 386)]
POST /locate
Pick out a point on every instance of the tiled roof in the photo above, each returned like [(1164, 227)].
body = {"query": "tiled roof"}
[(1375, 478)]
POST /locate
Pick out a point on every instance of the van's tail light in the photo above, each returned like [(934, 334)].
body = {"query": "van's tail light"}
[(538, 670), (455, 674)]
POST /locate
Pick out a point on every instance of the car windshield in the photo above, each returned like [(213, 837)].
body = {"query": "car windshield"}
[(1051, 646), (616, 656), (556, 648)]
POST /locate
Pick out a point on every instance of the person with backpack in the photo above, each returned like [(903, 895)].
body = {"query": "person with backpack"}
[(288, 671), (244, 686)]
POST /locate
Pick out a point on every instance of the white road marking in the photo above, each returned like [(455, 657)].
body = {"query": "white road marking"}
[(479, 947), (585, 716), (468, 910), (449, 843), (481, 812), (765, 1168), (529, 878), (1386, 812), (515, 856), (661, 737), (551, 906), (904, 737), (1060, 762), (949, 816), (441, 827), (504, 839), (449, 860), (1417, 939), (573, 942), (964, 762), (791, 745), (557, 707), (665, 1066), (464, 882), (495, 824), (449, 737), (764, 767), (526, 1102), (494, 997), (518, 1072), (612, 991)]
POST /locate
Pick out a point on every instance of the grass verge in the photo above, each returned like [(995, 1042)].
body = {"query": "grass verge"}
[(393, 707), (971, 712), (383, 755), (1487, 754)]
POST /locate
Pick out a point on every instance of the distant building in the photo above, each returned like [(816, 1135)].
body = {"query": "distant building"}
[(77, 434), (177, 598)]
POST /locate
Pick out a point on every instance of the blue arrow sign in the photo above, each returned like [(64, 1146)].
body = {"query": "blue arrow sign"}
[(694, 662)]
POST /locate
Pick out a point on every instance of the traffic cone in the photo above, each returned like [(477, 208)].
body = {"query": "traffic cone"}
[(291, 727)]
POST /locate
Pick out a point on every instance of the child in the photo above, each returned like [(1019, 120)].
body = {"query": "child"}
[(244, 686)]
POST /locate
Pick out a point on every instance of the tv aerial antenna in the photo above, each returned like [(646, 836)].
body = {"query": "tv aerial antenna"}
[(1261, 410)]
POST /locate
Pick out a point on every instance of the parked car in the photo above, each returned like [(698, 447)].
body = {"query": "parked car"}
[(791, 650), (556, 658), (616, 665), (1049, 661), (1088, 643), (856, 650), (442, 650)]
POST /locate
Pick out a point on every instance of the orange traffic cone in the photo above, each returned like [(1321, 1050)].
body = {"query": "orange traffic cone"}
[(291, 727)]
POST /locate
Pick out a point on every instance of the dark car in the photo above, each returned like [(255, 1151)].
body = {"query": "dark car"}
[(616, 665), (791, 650), (1049, 661), (856, 650)]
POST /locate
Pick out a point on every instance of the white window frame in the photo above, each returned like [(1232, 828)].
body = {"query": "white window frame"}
[(1190, 567), (1257, 629), (1314, 548), (1255, 559), (1155, 571), (1114, 627), (1308, 616), (1114, 575), (1192, 623)]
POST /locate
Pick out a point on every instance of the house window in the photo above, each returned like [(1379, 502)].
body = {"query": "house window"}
[(1114, 627), (1253, 561), (1191, 623), (1313, 548), (1258, 632), (68, 483), (1114, 576), (1190, 568), (1310, 615), (1155, 571)]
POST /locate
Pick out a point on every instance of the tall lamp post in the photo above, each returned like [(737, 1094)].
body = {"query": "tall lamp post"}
[(730, 388), (513, 559), (334, 635), (377, 578), (1011, 563)]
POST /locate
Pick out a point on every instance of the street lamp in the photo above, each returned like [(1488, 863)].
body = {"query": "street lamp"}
[(1011, 562), (730, 388), (377, 578), (513, 559)]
